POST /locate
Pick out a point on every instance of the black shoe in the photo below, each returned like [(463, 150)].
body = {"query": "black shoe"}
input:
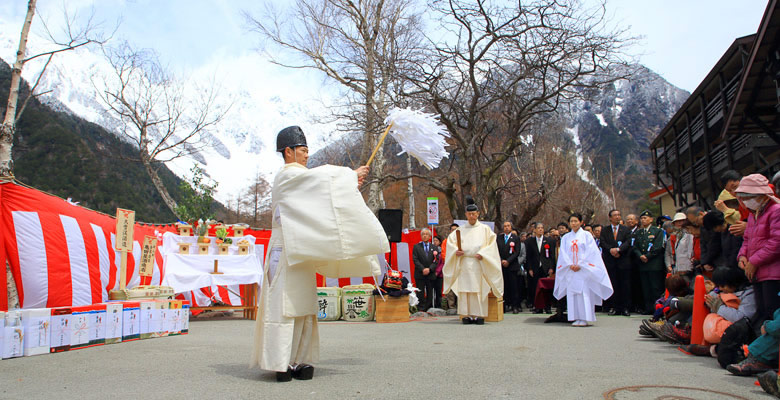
[(517, 310), (644, 331), (284, 376), (507, 308), (626, 313), (303, 372), (537, 311), (548, 311), (480, 321), (467, 321), (615, 312), (768, 382), (610, 311)]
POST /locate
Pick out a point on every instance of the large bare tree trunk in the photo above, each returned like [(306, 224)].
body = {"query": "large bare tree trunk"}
[(9, 122), (410, 192), (158, 184)]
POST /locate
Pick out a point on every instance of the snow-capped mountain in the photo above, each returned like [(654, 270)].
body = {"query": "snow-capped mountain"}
[(259, 104), (617, 124)]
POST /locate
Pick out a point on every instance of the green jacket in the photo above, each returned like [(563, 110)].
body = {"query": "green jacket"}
[(649, 242)]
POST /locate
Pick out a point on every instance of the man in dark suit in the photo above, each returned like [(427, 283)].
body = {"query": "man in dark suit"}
[(616, 244), (540, 260), (637, 302), (425, 270), (512, 253)]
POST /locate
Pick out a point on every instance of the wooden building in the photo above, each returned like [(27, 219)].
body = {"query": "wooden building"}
[(729, 122)]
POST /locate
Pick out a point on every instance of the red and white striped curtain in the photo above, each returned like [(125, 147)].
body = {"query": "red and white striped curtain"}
[(62, 254)]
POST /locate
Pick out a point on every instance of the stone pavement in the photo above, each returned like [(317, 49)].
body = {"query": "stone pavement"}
[(519, 358)]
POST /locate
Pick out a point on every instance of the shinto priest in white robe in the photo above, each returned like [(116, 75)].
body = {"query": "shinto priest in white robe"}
[(321, 224), (472, 279), (586, 288)]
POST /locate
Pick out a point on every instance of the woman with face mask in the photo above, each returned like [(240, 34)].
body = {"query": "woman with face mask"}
[(759, 255)]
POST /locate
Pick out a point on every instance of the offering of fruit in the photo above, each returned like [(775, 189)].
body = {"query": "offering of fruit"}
[(222, 236)]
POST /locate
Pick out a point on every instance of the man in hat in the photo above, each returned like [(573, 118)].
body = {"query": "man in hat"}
[(649, 251), (472, 268), (311, 210)]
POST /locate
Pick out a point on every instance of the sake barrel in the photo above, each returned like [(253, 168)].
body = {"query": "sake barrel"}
[(357, 303), (328, 303)]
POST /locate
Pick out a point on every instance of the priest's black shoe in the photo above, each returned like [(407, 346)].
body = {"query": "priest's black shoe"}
[(467, 321), (626, 313), (517, 310), (480, 321), (615, 312), (538, 311), (303, 372), (284, 376), (548, 310)]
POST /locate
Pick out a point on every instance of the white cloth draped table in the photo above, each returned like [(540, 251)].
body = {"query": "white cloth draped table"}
[(191, 272), (186, 272)]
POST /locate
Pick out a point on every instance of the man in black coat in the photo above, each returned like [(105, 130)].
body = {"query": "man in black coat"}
[(512, 253), (540, 260), (425, 270), (616, 244)]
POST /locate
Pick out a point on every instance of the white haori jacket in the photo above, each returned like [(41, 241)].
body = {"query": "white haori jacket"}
[(579, 248), (468, 274), (321, 224)]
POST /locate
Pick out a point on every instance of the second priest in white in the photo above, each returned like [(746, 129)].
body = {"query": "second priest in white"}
[(580, 274)]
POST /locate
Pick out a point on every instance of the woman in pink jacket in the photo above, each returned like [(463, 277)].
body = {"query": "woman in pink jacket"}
[(759, 255)]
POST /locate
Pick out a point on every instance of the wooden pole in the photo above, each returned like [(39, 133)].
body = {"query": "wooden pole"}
[(123, 271), (457, 235), (216, 268), (378, 145)]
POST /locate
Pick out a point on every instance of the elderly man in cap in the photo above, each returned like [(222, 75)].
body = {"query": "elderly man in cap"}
[(679, 247), (649, 251), (311, 208)]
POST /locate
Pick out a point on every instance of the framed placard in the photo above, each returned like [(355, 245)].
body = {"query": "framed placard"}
[(147, 256), (125, 221), (433, 210)]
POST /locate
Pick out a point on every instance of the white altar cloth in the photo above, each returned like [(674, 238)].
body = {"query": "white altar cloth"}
[(186, 272), (192, 272)]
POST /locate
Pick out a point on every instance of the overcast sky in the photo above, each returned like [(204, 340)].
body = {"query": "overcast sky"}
[(681, 39)]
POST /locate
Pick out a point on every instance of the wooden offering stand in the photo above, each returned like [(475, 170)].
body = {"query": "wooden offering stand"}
[(216, 268)]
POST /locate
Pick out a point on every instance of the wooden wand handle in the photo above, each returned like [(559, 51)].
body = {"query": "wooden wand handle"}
[(457, 234), (378, 145)]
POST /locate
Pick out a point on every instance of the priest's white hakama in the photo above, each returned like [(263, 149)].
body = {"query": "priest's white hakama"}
[(321, 224), (586, 288), (472, 279)]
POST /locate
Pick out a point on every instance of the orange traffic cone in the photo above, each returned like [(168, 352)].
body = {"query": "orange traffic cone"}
[(699, 312)]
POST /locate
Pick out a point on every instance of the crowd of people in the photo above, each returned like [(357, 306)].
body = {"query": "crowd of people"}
[(652, 264), (736, 248)]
